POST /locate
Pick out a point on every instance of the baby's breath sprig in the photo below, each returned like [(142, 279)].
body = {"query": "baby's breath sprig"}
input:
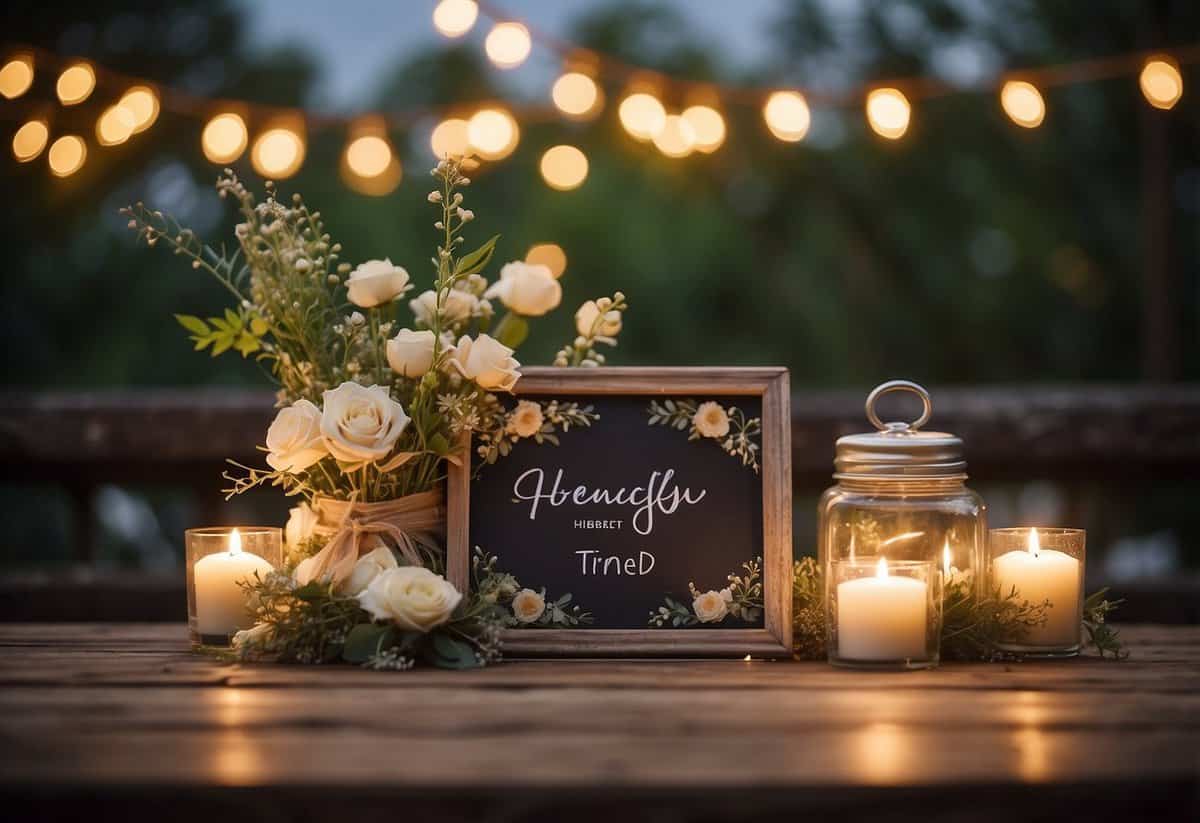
[(597, 322)]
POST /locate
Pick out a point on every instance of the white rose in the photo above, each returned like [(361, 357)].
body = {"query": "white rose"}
[(487, 361), (710, 607), (528, 606), (294, 438), (711, 420), (585, 321), (376, 282), (412, 597), (527, 288), (368, 567), (302, 521), (457, 305), (526, 419), (257, 637), (410, 353), (360, 422)]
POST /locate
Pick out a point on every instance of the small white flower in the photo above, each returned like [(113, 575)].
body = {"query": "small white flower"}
[(589, 313), (302, 265), (356, 319), (711, 420), (528, 606), (376, 282), (710, 607), (435, 196), (526, 419)]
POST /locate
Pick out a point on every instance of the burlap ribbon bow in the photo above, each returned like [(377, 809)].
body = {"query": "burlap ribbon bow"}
[(409, 521)]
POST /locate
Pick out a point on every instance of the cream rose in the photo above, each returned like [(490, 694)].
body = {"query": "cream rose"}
[(457, 305), (257, 637), (528, 606), (526, 419), (368, 567), (527, 288), (589, 312), (360, 422), (711, 420), (712, 606), (376, 282), (294, 438), (412, 597), (302, 521), (487, 361), (410, 353)]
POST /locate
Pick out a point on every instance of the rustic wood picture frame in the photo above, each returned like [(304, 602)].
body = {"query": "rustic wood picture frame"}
[(774, 639)]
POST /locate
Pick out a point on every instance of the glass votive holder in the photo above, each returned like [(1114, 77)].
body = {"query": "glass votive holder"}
[(1043, 566), (219, 560), (884, 614)]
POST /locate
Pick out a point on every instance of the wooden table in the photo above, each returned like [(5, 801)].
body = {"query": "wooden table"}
[(106, 721)]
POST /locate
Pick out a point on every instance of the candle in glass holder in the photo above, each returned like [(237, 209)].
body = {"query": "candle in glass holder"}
[(882, 618), (220, 599), (1044, 575)]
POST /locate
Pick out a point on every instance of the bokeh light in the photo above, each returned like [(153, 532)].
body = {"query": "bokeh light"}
[(708, 126), (454, 18), (550, 255), (642, 115), (142, 103), (888, 112), (30, 140), (16, 76), (369, 165), (1023, 103), (75, 84), (508, 45), (787, 116), (576, 95), (493, 134), (115, 125), (278, 153), (224, 138), (564, 168), (449, 139), (66, 155), (677, 137), (1161, 82)]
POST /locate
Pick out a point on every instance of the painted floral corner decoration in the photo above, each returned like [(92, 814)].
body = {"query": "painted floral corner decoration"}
[(742, 600), (518, 606), (729, 427), (539, 421)]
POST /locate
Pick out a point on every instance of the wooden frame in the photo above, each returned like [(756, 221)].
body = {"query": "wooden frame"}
[(775, 638)]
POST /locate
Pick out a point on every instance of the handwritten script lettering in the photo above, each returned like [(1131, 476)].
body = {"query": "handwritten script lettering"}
[(661, 495)]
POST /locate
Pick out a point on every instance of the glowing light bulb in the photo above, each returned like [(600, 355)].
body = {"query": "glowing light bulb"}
[(708, 126), (550, 255), (66, 155), (16, 76), (575, 94), (75, 84), (564, 168), (508, 45), (493, 133), (1023, 103), (677, 137), (30, 140), (787, 116), (368, 156), (278, 153), (115, 125), (454, 18), (1034, 545), (888, 112), (224, 138), (642, 115), (449, 139), (1161, 82), (142, 103)]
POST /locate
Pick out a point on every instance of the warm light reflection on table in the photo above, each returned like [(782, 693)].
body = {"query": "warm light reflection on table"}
[(1029, 712), (881, 752), (236, 759)]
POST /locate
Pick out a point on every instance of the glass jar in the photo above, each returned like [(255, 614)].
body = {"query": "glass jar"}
[(1042, 567), (220, 562), (900, 503)]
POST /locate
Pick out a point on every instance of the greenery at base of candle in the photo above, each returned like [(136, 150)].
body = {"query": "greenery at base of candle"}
[(1106, 640)]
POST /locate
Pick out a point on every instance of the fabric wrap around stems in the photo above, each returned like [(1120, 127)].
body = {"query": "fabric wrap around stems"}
[(409, 521)]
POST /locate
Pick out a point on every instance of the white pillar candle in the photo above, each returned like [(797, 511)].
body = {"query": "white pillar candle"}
[(882, 617), (1041, 575), (220, 601)]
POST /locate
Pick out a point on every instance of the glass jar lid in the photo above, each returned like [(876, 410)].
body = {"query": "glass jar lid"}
[(899, 449)]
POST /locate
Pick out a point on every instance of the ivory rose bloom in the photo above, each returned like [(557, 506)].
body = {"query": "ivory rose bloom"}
[(589, 312), (368, 567), (257, 637), (712, 606), (526, 419), (412, 597), (457, 305), (527, 288), (376, 282), (360, 422), (294, 438), (711, 420), (302, 521), (528, 606), (410, 353), (487, 361)]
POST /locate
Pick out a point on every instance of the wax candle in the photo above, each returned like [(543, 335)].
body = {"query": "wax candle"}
[(1041, 575), (220, 601), (882, 617)]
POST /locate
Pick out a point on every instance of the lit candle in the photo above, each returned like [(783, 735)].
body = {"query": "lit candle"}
[(1041, 575), (220, 601), (951, 574), (881, 617)]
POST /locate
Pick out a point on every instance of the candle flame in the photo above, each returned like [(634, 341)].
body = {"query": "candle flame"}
[(747, 658), (235, 542), (946, 556), (1035, 547), (851, 548), (881, 567)]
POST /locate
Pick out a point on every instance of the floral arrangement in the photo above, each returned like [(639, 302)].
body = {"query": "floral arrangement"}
[(742, 600), (729, 427), (372, 410), (521, 607)]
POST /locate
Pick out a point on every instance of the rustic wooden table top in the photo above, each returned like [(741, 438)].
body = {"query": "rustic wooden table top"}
[(121, 721)]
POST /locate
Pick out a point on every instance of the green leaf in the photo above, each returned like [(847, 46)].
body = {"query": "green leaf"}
[(247, 344), (311, 591), (231, 317), (439, 445), (475, 261), (512, 330), (366, 640), (193, 324), (446, 652)]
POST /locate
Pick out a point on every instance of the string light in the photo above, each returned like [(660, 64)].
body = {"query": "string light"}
[(708, 126), (493, 134), (30, 140), (888, 112), (142, 103), (278, 153), (787, 116), (66, 155), (677, 137), (16, 76), (642, 115), (75, 84), (449, 139), (576, 95), (550, 255), (115, 125), (454, 18), (564, 168), (1161, 82), (224, 138), (508, 44), (369, 166), (1023, 103)]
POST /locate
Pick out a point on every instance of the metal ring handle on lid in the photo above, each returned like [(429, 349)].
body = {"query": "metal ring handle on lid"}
[(894, 386)]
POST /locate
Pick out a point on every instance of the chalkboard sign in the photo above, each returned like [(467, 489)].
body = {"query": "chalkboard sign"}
[(659, 524)]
